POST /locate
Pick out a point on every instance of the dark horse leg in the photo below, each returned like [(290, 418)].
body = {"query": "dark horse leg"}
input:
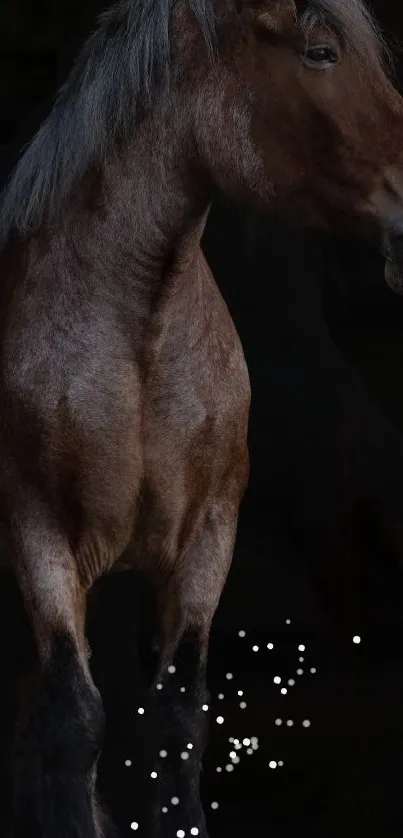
[(179, 693), (54, 783)]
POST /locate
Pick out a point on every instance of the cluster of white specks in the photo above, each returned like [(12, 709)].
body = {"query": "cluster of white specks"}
[(246, 745)]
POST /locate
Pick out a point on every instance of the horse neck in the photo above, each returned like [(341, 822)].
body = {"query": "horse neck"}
[(154, 207)]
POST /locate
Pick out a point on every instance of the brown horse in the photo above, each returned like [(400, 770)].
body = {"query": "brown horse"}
[(124, 390)]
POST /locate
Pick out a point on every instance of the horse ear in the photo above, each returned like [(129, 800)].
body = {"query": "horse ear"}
[(276, 16)]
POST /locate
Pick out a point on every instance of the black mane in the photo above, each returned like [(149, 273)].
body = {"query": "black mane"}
[(119, 68)]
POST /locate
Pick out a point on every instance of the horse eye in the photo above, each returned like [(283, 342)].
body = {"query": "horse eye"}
[(320, 57)]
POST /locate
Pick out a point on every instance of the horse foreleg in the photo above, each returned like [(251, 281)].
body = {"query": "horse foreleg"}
[(179, 695), (54, 789)]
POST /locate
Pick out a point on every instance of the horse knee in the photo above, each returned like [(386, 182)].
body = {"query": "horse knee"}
[(70, 714)]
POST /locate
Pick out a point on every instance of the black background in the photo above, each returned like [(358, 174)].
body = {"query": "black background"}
[(321, 532)]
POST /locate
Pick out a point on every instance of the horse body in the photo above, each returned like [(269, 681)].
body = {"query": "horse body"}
[(123, 387)]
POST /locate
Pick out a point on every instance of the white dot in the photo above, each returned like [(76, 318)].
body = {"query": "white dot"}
[(313, 670), (164, 809), (254, 740), (221, 696), (306, 723), (141, 711), (246, 742), (184, 755), (290, 722), (242, 633), (231, 739), (255, 648), (270, 646), (249, 751), (299, 671), (128, 763), (163, 754), (174, 801), (232, 754), (181, 833), (183, 689), (214, 805), (301, 659), (171, 669), (218, 769), (194, 830), (134, 826), (288, 622), (284, 691), (280, 763), (229, 767), (291, 682), (278, 722), (220, 720), (154, 775), (357, 639), (159, 686), (229, 676), (236, 760), (240, 692), (190, 746), (236, 742), (243, 705), (301, 647), (205, 707), (272, 764), (277, 679), (238, 746)]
